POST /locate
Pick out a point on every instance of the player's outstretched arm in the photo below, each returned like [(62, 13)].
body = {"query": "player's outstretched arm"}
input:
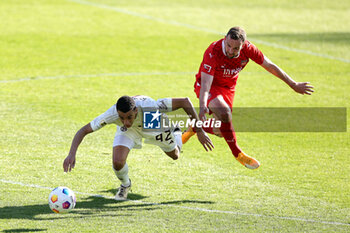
[(206, 81), (299, 87), (187, 105), (69, 162)]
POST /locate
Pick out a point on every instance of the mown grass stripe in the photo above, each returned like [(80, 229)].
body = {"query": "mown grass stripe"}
[(175, 23), (123, 74)]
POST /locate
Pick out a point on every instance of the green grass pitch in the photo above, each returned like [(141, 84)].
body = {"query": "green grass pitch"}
[(63, 62)]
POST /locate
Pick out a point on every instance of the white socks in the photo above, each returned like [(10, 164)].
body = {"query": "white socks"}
[(178, 139), (123, 176)]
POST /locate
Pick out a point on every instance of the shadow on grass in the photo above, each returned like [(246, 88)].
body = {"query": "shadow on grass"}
[(131, 196), (23, 230), (87, 207)]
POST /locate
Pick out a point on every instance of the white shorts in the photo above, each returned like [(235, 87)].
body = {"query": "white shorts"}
[(132, 138)]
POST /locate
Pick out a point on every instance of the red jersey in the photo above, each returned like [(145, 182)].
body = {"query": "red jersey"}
[(225, 70)]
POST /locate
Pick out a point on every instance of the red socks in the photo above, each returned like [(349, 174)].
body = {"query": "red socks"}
[(229, 134)]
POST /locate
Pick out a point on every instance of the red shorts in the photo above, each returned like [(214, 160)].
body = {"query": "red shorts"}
[(215, 91)]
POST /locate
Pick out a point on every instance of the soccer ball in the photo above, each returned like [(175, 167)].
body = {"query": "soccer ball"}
[(62, 200)]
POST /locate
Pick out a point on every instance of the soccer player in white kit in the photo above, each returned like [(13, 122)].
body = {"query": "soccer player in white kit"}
[(127, 114)]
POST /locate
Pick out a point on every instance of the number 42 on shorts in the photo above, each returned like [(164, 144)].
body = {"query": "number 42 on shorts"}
[(166, 136)]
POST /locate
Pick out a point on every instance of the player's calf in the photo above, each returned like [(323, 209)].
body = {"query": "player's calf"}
[(217, 132)]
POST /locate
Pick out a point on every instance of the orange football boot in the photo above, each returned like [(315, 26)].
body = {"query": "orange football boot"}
[(248, 161), (187, 135)]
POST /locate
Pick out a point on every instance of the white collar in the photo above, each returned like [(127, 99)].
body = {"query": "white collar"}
[(223, 47)]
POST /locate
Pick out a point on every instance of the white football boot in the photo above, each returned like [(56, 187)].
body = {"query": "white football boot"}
[(122, 193)]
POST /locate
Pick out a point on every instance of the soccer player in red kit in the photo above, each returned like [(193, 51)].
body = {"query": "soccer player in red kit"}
[(216, 81)]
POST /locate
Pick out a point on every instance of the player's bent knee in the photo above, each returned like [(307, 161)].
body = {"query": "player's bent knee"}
[(120, 154), (225, 116), (173, 154), (118, 164)]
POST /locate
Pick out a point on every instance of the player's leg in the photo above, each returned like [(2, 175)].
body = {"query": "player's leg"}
[(216, 131), (120, 167), (121, 148), (223, 112), (172, 147)]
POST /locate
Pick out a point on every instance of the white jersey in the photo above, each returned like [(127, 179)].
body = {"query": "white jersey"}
[(132, 137), (142, 103)]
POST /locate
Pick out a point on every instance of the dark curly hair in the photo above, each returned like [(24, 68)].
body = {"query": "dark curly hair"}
[(125, 104)]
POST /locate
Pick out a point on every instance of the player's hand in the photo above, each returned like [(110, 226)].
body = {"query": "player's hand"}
[(303, 88), (69, 163), (202, 112), (205, 140)]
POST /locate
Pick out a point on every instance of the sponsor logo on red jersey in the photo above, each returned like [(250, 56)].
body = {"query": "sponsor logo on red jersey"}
[(207, 67), (231, 72)]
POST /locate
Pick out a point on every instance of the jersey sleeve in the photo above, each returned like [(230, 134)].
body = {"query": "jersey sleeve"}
[(108, 117), (254, 53), (209, 61), (165, 104)]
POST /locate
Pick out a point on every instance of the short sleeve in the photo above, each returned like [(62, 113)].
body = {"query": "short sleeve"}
[(108, 117), (254, 53), (165, 104), (209, 62)]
